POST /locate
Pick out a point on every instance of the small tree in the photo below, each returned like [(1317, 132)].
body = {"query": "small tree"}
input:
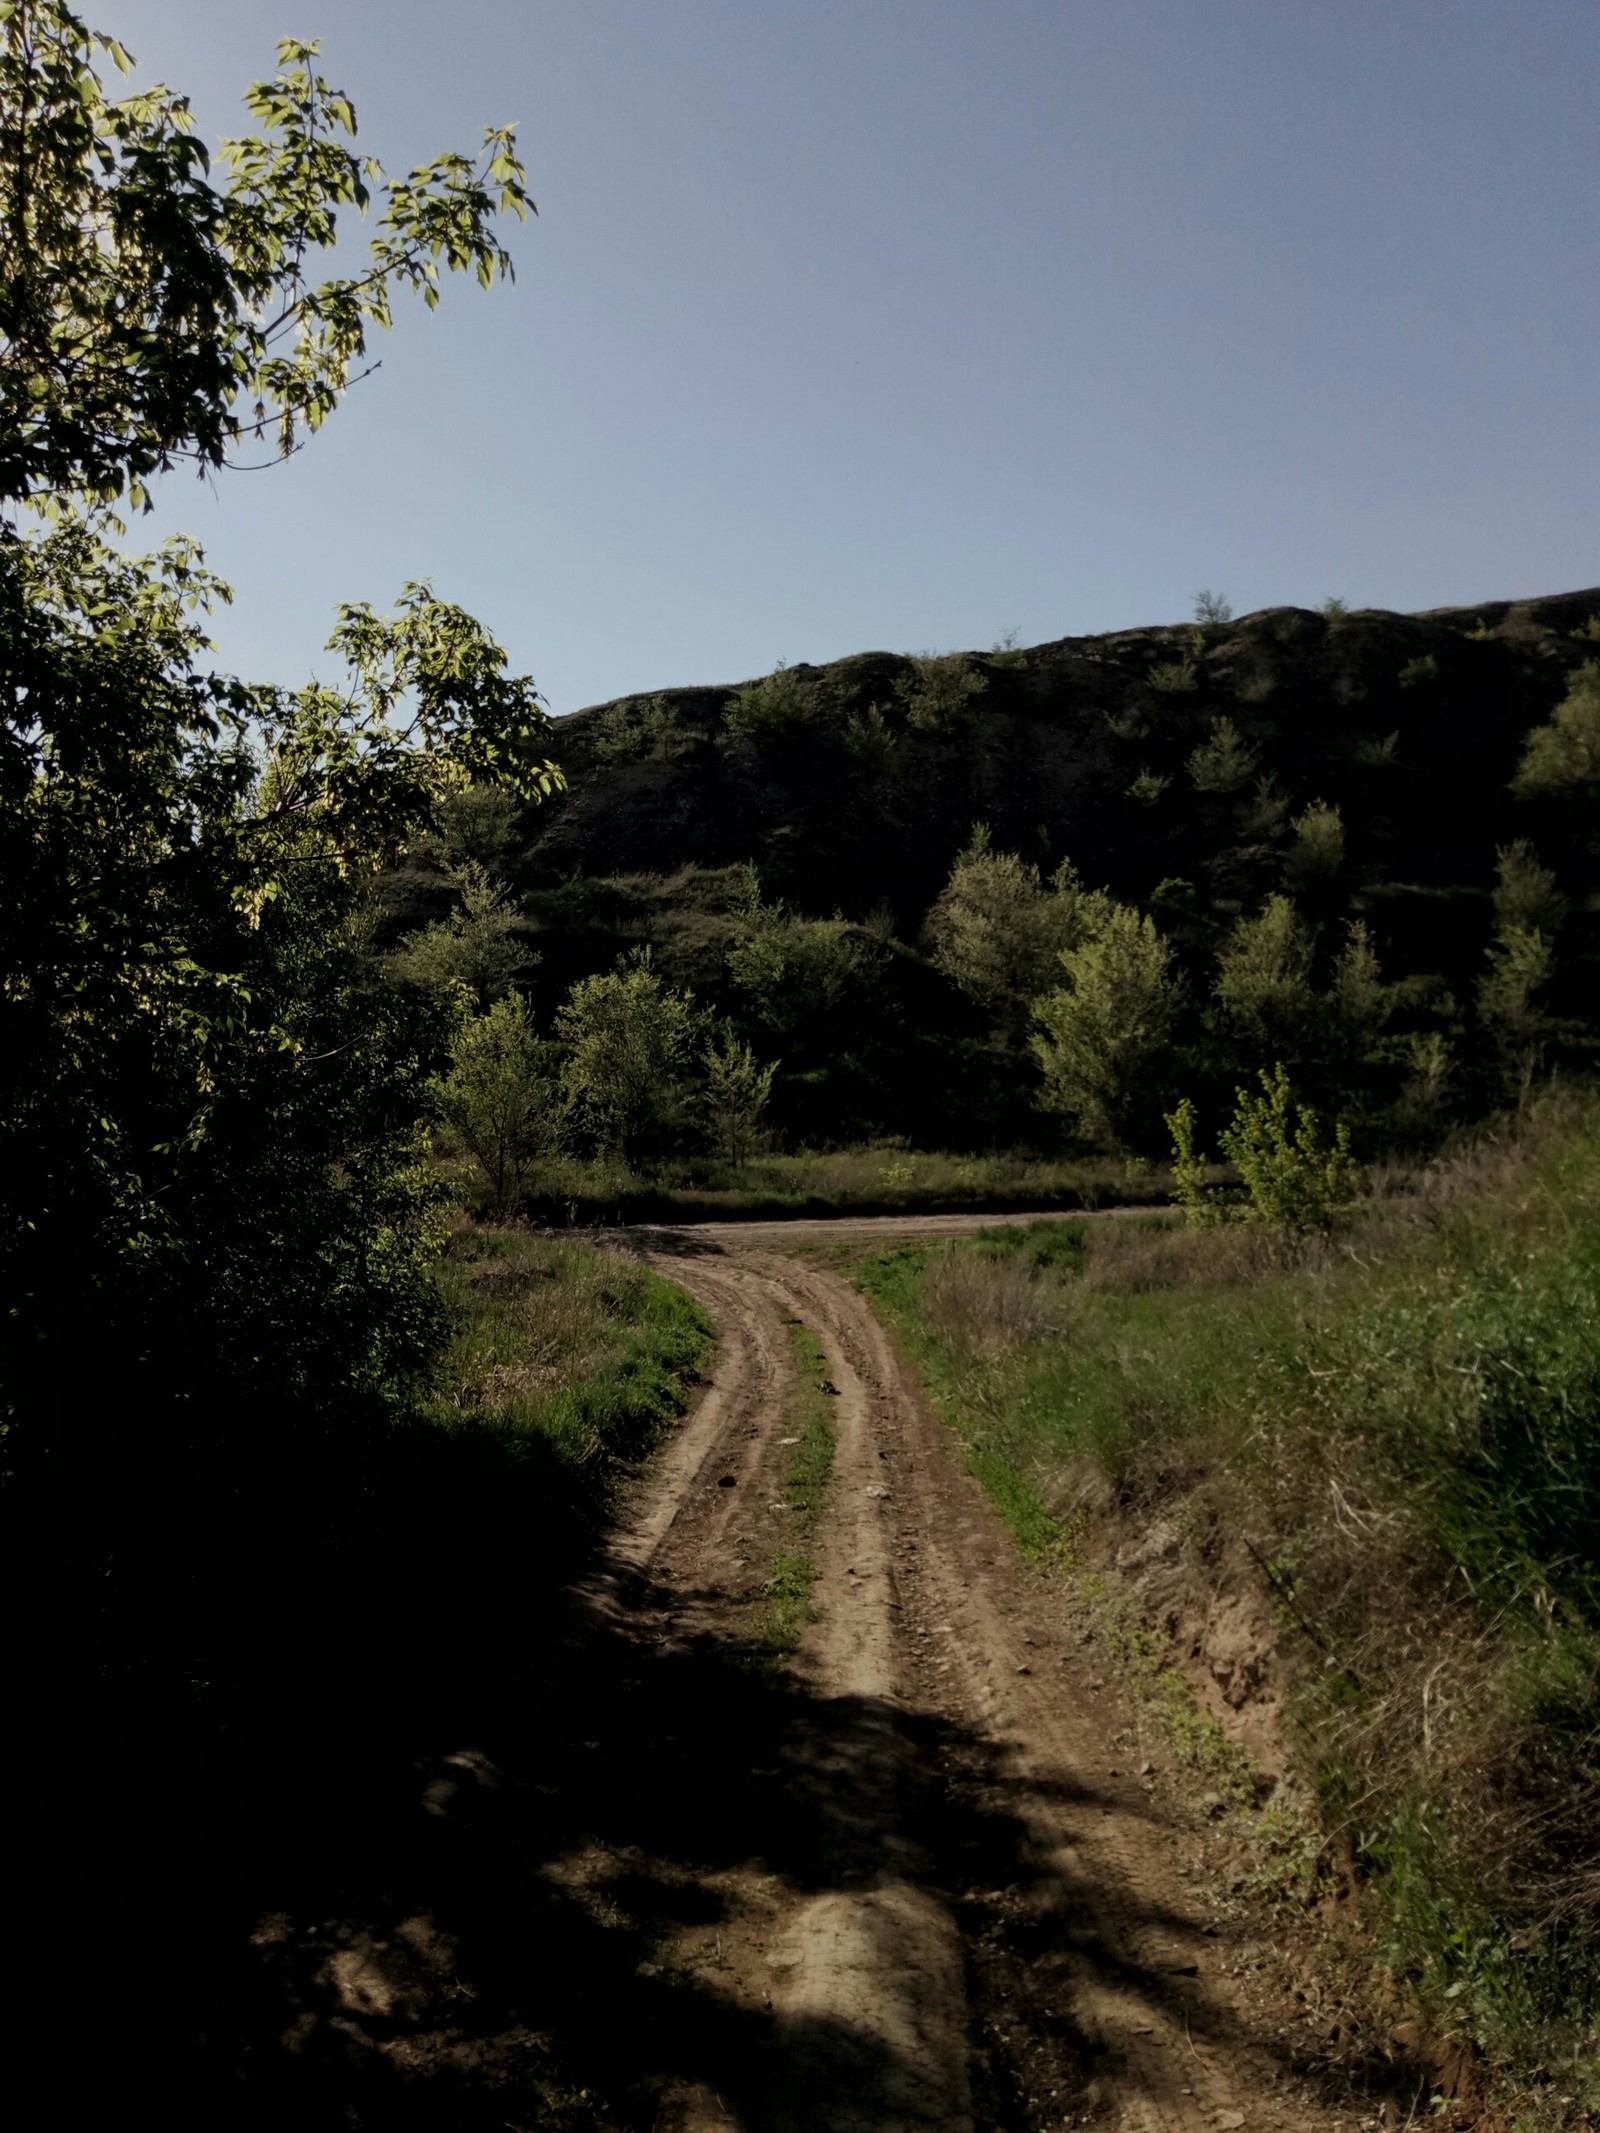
[(1224, 761), (627, 1038), (999, 932), (1527, 912), (499, 1098), (1212, 607), (640, 730), (1099, 1034), (1525, 894), (482, 945), (479, 824), (1263, 988), (795, 974), (1359, 1000), (735, 1094)]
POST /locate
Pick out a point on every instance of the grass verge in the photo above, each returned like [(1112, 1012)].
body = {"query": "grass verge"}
[(878, 1180), (1391, 1443), (564, 1357)]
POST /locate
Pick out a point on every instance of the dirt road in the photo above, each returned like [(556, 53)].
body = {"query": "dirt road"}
[(937, 1882)]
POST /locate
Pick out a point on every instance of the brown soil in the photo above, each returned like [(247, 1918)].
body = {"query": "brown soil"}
[(921, 1874), (999, 1923)]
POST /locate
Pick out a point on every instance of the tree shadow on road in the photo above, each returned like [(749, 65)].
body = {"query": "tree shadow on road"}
[(419, 1859)]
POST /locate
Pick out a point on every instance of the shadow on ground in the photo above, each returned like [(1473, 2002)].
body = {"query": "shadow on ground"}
[(405, 1841)]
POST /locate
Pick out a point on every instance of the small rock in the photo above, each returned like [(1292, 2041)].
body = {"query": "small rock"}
[(877, 1489), (1024, 1669), (1229, 2119), (647, 1970)]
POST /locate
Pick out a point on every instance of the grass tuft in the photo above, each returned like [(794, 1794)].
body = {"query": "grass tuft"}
[(786, 1593)]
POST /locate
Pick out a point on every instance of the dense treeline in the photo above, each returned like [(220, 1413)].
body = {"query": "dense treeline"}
[(218, 1228), (1035, 896)]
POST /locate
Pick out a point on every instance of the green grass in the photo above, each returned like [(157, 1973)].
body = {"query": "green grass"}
[(1405, 1426), (562, 1352), (881, 1179), (786, 1593)]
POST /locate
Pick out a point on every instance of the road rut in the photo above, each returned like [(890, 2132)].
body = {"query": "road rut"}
[(984, 1915)]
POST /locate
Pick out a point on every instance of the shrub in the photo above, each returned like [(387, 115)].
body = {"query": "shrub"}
[(1295, 1178), (939, 692), (1564, 755), (773, 708), (1174, 677), (1222, 762)]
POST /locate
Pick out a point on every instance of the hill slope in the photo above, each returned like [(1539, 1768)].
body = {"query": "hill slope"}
[(1173, 766)]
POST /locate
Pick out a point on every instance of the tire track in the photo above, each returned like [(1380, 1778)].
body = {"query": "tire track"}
[(928, 1627)]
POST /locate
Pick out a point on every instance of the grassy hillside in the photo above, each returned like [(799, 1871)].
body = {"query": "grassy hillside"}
[(1360, 764)]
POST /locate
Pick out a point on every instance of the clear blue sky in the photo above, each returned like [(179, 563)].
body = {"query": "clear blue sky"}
[(902, 323)]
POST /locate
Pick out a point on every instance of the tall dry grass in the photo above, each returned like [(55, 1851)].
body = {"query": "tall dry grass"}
[(982, 1307)]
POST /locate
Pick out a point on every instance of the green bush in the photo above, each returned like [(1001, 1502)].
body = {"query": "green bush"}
[(1294, 1177), (777, 707)]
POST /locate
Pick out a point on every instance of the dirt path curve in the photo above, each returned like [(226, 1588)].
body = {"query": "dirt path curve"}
[(970, 1907)]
